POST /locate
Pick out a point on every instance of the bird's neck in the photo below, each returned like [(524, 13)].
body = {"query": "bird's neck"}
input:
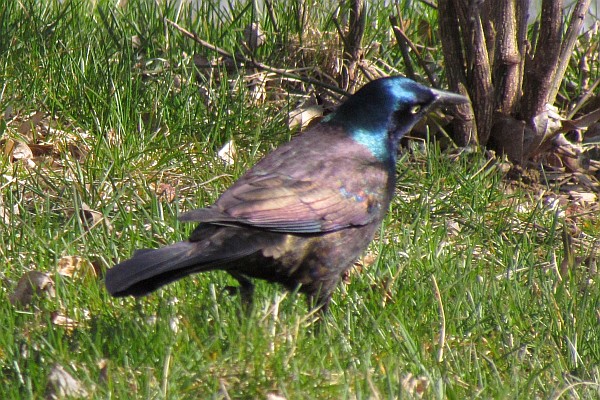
[(377, 141), (367, 124)]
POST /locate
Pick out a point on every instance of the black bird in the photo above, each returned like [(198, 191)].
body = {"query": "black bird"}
[(304, 213)]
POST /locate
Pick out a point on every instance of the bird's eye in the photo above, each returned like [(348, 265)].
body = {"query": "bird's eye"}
[(415, 109)]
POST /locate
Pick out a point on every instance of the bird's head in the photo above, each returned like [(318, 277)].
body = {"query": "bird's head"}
[(384, 110)]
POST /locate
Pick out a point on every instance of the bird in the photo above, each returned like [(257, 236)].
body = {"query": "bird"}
[(302, 215)]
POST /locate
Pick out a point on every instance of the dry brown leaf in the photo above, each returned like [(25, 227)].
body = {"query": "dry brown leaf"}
[(547, 123), (592, 134), (584, 197), (75, 266), (32, 283), (136, 42), (228, 153), (77, 151), (166, 191), (90, 218), (253, 36), (415, 386), (27, 127), (453, 227), (61, 320), (303, 116), (20, 152), (61, 384), (368, 259), (112, 137), (103, 373), (6, 213), (275, 396), (39, 150)]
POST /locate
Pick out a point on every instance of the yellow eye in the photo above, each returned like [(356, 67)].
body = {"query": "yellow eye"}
[(415, 109)]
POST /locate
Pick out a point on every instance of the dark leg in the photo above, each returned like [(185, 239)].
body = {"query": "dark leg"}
[(319, 301), (246, 291)]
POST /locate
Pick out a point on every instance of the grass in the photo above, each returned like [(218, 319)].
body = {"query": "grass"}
[(461, 296)]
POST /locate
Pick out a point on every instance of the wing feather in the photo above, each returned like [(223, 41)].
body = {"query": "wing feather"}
[(295, 206), (297, 190)]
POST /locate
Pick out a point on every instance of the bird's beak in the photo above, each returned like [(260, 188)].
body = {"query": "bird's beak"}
[(444, 97)]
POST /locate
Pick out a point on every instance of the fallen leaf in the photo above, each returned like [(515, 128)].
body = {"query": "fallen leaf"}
[(583, 197), (90, 218), (136, 42), (61, 384), (28, 125), (75, 265), (103, 373), (63, 321), (111, 137), (22, 152), (453, 227), (253, 36), (31, 284), (415, 386), (228, 153), (275, 396), (77, 151), (166, 191), (303, 116)]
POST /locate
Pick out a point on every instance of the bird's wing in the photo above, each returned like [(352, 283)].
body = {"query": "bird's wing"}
[(283, 203)]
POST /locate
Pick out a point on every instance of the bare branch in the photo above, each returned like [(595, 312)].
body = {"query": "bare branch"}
[(403, 41), (478, 68), (507, 74), (539, 72), (465, 130), (403, 45), (568, 44), (256, 64)]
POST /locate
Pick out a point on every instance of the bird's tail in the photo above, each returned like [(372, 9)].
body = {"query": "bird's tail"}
[(148, 270), (210, 247)]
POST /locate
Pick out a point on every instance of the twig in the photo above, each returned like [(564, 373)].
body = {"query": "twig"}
[(402, 44), (464, 127), (399, 31), (165, 375), (272, 16), (585, 121), (572, 386), (256, 64), (568, 44), (430, 4), (442, 340), (584, 98), (340, 32)]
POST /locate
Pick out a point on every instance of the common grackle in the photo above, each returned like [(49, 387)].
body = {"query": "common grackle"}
[(304, 213)]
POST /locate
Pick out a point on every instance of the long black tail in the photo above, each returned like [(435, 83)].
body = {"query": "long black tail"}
[(148, 270), (211, 247)]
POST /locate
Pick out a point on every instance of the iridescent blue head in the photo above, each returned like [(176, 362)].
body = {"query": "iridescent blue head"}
[(384, 110)]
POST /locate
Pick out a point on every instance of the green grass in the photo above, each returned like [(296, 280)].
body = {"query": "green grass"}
[(505, 325)]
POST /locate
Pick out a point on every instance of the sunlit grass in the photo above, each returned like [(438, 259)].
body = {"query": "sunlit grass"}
[(461, 297)]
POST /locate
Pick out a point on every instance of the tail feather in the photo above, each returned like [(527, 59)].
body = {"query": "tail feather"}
[(149, 269), (211, 247)]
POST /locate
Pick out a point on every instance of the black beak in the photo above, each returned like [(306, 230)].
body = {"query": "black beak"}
[(444, 97)]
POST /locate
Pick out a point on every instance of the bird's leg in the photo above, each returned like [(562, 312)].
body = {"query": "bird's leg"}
[(246, 291), (319, 302)]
